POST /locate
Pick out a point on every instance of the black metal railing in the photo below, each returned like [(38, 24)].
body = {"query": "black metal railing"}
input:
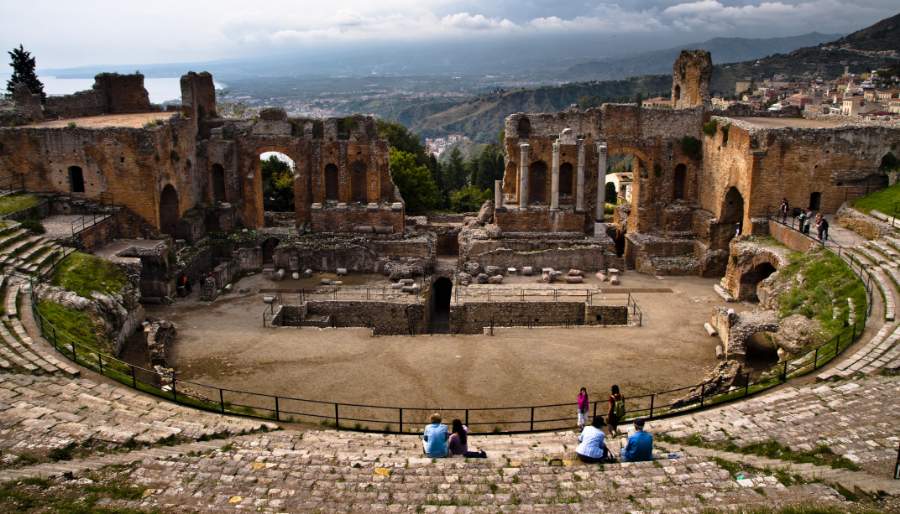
[(406, 419)]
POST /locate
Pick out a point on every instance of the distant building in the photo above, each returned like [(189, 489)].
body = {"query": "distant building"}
[(742, 86), (658, 101)]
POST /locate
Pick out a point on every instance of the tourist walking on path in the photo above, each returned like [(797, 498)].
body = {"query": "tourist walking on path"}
[(640, 445), (822, 227), (592, 443), (434, 440), (785, 207), (616, 410), (583, 407)]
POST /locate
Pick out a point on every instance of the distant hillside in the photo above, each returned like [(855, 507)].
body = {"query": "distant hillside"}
[(724, 49), (874, 47), (482, 118)]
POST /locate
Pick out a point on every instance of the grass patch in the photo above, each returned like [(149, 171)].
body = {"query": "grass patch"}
[(39, 495), (85, 274), (17, 202), (826, 278), (884, 200), (70, 325)]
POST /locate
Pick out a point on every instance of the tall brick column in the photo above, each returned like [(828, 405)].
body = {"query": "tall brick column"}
[(554, 177), (579, 184), (601, 178), (523, 175)]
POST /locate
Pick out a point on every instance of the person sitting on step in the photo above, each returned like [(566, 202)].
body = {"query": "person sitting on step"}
[(640, 444), (458, 442), (592, 443), (434, 439)]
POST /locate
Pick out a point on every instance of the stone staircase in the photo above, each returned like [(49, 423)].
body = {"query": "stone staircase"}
[(880, 259), (23, 252)]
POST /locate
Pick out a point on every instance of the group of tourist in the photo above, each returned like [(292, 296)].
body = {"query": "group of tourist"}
[(806, 219), (592, 439), (438, 442)]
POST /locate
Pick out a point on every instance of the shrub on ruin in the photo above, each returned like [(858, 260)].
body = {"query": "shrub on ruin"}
[(710, 127), (85, 274), (34, 225), (71, 124), (469, 198), (692, 147), (414, 181)]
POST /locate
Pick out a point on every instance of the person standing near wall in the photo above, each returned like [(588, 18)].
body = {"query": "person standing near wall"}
[(785, 207), (583, 407), (616, 410)]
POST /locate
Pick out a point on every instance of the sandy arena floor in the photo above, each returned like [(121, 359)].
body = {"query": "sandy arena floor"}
[(224, 344)]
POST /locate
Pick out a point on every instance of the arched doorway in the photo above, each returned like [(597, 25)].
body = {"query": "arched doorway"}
[(76, 179), (565, 180), (751, 279), (815, 201), (678, 182), (331, 183), (358, 182), (441, 294), (537, 182), (524, 128), (733, 207), (277, 171), (168, 211), (218, 183), (268, 250), (761, 352)]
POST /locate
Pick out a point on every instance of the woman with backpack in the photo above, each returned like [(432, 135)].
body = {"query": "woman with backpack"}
[(583, 407), (616, 410)]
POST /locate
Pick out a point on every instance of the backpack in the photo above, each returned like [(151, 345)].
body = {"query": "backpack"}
[(619, 408)]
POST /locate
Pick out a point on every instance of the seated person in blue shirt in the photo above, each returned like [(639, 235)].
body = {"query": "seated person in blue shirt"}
[(640, 445), (592, 443), (434, 440)]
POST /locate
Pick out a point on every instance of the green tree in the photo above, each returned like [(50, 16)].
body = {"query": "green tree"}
[(469, 198), (488, 167), (23, 65), (454, 171), (414, 181), (278, 185)]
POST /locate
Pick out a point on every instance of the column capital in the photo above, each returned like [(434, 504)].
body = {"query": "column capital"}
[(524, 146), (601, 146)]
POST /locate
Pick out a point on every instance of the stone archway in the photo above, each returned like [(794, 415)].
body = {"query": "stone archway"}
[(441, 295), (76, 179), (679, 181), (732, 207), (268, 250), (358, 182), (168, 211), (332, 182), (750, 280), (218, 183), (537, 182)]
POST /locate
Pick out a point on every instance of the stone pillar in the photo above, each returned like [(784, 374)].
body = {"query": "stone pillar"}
[(554, 178), (601, 178), (523, 175), (498, 194), (579, 181)]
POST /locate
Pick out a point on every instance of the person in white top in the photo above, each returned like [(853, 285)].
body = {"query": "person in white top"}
[(592, 443)]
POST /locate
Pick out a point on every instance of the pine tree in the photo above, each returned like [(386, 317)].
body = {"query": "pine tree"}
[(23, 65)]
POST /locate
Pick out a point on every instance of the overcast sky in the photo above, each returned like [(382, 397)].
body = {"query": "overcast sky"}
[(64, 33)]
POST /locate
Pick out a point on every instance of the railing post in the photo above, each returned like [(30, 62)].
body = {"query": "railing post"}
[(652, 401), (816, 360), (133, 377), (277, 413), (746, 384), (532, 420), (702, 392), (337, 418), (174, 391), (74, 355), (221, 401), (401, 420), (100, 361), (784, 372), (467, 417)]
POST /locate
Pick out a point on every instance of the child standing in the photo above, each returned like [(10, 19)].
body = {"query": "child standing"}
[(583, 405)]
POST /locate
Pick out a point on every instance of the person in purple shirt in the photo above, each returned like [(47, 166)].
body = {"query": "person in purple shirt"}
[(640, 445)]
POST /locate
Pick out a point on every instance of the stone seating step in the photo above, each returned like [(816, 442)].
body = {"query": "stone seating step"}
[(885, 285), (48, 260), (885, 249), (13, 343), (9, 254), (873, 256), (16, 360), (43, 245), (12, 236), (871, 346), (43, 350), (11, 292)]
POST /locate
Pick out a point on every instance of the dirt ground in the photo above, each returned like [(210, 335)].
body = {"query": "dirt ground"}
[(224, 344), (136, 120)]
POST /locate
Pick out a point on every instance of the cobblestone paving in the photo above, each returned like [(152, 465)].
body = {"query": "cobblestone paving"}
[(39, 414), (857, 419)]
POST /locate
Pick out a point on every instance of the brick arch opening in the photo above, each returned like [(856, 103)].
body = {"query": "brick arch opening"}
[(732, 207), (761, 352), (218, 183), (537, 182), (76, 179), (358, 185), (268, 249), (566, 176), (441, 295), (523, 129), (168, 211), (679, 181), (331, 182), (750, 280), (278, 175)]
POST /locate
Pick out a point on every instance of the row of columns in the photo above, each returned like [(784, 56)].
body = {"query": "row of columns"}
[(524, 149)]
